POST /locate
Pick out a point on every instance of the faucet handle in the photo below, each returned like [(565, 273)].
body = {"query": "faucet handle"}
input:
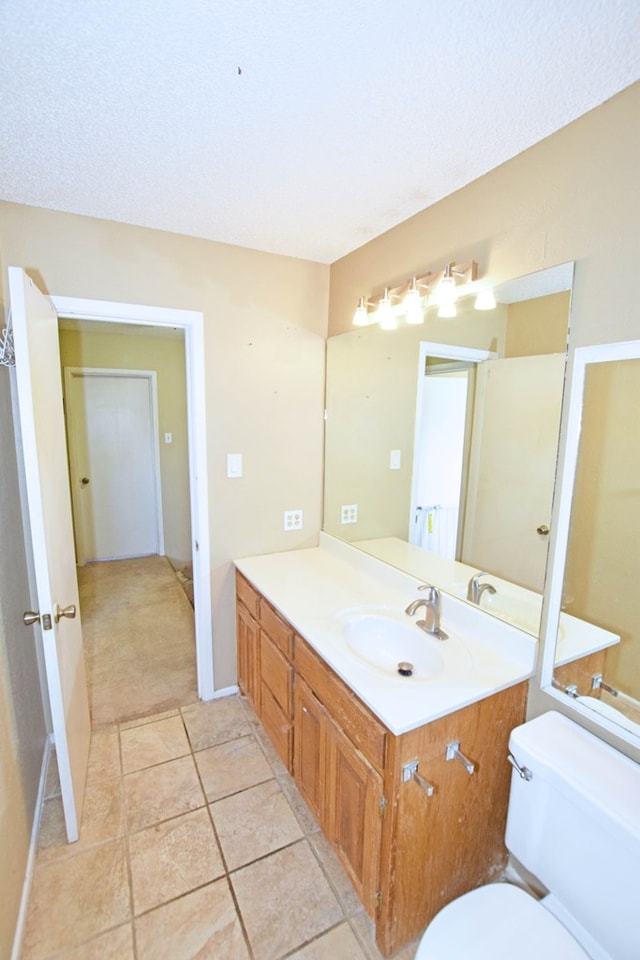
[(434, 593)]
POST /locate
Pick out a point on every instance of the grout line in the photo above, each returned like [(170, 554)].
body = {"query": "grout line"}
[(126, 845)]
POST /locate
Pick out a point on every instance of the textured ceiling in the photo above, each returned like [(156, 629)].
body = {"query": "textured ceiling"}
[(293, 127)]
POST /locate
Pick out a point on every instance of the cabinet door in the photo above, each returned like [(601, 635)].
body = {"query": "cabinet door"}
[(309, 750), (356, 808), (249, 657)]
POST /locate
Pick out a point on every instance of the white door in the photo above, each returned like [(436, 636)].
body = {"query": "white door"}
[(115, 475), (39, 392), (513, 466)]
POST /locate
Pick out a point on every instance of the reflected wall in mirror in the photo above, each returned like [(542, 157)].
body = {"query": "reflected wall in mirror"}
[(596, 579), (381, 453)]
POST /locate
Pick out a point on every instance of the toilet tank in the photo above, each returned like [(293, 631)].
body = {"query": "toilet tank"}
[(576, 826)]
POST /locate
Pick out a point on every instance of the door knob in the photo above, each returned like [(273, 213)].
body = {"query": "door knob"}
[(68, 612), (543, 530), (29, 617), (84, 481)]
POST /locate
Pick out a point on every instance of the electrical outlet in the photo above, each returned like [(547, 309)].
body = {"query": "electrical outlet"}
[(349, 513), (293, 519)]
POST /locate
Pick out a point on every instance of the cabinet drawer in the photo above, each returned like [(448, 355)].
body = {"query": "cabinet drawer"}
[(278, 629), (277, 726), (363, 729), (277, 674), (249, 597)]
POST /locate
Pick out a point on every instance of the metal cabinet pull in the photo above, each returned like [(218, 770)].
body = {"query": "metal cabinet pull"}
[(453, 752)]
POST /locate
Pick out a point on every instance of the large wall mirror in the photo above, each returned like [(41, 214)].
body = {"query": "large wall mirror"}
[(596, 542), (442, 438)]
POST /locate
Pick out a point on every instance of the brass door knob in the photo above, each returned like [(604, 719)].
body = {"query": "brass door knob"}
[(29, 617), (543, 530), (84, 481)]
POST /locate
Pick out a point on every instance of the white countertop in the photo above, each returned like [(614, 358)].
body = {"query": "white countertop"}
[(318, 589), (511, 602)]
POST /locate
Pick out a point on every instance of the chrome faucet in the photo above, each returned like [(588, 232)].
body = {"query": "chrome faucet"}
[(431, 604), (475, 589)]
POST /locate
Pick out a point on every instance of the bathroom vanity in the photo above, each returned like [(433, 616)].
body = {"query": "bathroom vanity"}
[(367, 747)]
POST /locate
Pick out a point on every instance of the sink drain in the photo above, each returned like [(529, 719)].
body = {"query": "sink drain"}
[(405, 669)]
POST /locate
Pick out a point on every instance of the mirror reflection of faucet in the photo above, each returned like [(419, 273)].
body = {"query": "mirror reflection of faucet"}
[(475, 589), (431, 604)]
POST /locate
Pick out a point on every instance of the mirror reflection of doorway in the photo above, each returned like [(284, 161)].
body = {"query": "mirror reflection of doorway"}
[(132, 517), (441, 455)]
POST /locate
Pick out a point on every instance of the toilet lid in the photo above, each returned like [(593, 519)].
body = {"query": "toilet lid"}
[(497, 922)]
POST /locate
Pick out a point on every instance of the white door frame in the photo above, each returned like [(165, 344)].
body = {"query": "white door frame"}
[(192, 323), (74, 447), (445, 351)]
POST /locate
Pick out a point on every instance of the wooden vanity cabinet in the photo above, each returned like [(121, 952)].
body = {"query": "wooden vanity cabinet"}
[(265, 672), (406, 853)]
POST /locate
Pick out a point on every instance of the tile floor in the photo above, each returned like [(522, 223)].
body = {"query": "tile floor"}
[(195, 844)]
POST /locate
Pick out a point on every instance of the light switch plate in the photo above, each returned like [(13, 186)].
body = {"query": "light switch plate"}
[(395, 460), (234, 465)]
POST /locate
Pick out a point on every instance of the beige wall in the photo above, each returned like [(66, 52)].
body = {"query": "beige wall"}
[(265, 322), (165, 355), (538, 326)]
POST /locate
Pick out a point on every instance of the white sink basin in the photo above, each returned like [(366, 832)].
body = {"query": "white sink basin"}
[(393, 647)]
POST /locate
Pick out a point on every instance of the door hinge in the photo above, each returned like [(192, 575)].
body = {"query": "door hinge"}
[(382, 807)]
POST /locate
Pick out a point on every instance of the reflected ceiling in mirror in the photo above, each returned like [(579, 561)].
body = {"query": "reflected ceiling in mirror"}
[(379, 453), (595, 572)]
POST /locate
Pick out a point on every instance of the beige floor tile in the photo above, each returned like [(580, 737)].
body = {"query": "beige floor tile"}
[(75, 898), (114, 945), (254, 823), (172, 858), (338, 944), (104, 754), (335, 872), (159, 793), (215, 722), (153, 743), (102, 819), (150, 718), (285, 901), (232, 766), (203, 925)]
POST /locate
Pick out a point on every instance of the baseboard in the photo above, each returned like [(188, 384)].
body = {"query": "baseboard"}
[(33, 846), (225, 692)]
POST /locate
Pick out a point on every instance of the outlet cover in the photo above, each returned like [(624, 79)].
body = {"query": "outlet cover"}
[(293, 520), (349, 513)]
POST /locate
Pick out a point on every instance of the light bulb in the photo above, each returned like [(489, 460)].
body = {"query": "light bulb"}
[(412, 304), (486, 299), (384, 314), (447, 310), (361, 316)]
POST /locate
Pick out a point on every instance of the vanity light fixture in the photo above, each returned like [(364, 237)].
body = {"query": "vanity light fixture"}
[(409, 298), (361, 316), (486, 299), (447, 294), (384, 314), (412, 304)]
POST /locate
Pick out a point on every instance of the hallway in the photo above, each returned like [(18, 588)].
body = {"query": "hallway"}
[(194, 843), (139, 639)]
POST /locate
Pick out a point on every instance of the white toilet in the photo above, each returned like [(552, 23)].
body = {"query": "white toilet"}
[(574, 824)]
